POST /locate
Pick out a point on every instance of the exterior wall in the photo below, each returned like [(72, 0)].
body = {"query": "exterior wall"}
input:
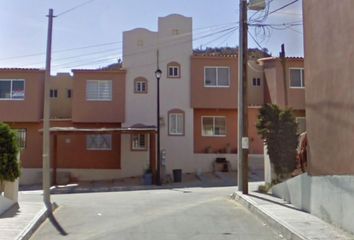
[(329, 94), (274, 78), (60, 107), (327, 197), (98, 111), (173, 40), (255, 93), (29, 109), (219, 143)]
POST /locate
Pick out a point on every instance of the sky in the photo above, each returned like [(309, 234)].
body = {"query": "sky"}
[(89, 35)]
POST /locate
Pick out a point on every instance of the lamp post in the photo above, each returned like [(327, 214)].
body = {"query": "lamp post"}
[(158, 73)]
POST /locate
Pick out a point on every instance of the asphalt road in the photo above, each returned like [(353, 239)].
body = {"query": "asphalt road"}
[(169, 214)]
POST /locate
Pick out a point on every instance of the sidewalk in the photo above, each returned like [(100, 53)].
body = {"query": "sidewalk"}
[(19, 222), (291, 222)]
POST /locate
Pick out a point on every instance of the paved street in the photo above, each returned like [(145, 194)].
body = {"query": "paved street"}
[(183, 213)]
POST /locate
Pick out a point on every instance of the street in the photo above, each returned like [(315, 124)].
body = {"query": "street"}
[(180, 213)]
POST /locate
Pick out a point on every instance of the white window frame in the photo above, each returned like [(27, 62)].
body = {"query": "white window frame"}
[(214, 117), (301, 78), (173, 71), (11, 87), (101, 136), (141, 82), (175, 133), (138, 148), (108, 99), (217, 76)]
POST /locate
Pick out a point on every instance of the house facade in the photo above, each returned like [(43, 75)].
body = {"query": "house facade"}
[(104, 121)]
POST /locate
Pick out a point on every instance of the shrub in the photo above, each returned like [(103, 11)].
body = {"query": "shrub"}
[(9, 166), (278, 129)]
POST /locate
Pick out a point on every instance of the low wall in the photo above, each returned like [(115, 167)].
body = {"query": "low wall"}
[(328, 197), (5, 204)]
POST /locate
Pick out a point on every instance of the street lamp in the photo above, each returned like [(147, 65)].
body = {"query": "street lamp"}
[(158, 73)]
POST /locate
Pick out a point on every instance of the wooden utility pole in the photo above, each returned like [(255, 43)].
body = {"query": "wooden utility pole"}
[(242, 101), (46, 116)]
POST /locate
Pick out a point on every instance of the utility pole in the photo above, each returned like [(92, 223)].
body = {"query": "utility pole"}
[(242, 101), (46, 116), (285, 78)]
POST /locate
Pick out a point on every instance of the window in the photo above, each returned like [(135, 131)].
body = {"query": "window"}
[(217, 77), (140, 85), (173, 70), (297, 79), (176, 122), (213, 126), (99, 142), (12, 89), (175, 31), (256, 82), (53, 93), (21, 137), (68, 93), (138, 142), (99, 90)]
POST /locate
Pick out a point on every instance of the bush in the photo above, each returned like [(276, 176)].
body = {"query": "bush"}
[(9, 165), (278, 129)]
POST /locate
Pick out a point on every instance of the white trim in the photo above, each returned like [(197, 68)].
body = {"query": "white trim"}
[(15, 99), (212, 116), (217, 85), (169, 123), (178, 71), (301, 79), (109, 148), (99, 99)]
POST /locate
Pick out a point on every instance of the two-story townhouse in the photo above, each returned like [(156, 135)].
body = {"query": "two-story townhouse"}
[(214, 100), (286, 90), (144, 51)]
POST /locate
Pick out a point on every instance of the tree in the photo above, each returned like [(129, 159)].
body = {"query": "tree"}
[(278, 129), (9, 165)]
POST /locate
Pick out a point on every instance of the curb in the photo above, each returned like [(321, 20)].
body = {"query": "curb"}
[(276, 224), (34, 224)]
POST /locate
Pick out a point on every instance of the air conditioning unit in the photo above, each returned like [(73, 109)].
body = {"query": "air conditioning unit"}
[(256, 5)]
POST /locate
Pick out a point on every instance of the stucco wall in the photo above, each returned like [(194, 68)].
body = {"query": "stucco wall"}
[(329, 61), (29, 109), (60, 107), (328, 197)]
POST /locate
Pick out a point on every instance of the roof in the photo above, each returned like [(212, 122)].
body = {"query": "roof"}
[(101, 130), (278, 58), (22, 69)]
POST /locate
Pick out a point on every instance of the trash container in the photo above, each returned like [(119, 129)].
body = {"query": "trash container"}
[(177, 175)]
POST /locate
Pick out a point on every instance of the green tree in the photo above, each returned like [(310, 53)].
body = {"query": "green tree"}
[(278, 129), (9, 166)]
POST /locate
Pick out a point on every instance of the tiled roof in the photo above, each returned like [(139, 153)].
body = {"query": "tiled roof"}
[(21, 69), (278, 58)]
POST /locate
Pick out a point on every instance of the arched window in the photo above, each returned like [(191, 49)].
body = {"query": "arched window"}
[(176, 122), (174, 70), (140, 85)]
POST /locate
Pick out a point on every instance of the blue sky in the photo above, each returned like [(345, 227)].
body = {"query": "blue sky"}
[(23, 28)]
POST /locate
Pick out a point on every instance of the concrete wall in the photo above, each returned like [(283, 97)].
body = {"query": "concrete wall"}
[(29, 109), (329, 61), (327, 197)]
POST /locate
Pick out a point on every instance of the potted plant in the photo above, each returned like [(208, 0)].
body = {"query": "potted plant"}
[(147, 177)]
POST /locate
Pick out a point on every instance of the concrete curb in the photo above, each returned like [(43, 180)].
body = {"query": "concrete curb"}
[(276, 224), (34, 224)]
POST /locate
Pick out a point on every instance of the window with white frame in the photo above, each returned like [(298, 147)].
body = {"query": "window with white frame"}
[(297, 79), (216, 76), (99, 142), (140, 85), (138, 142), (21, 137), (99, 90), (12, 89), (176, 123), (173, 70), (213, 126), (256, 82)]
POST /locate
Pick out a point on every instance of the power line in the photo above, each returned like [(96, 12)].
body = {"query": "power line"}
[(282, 7), (75, 7), (255, 40)]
